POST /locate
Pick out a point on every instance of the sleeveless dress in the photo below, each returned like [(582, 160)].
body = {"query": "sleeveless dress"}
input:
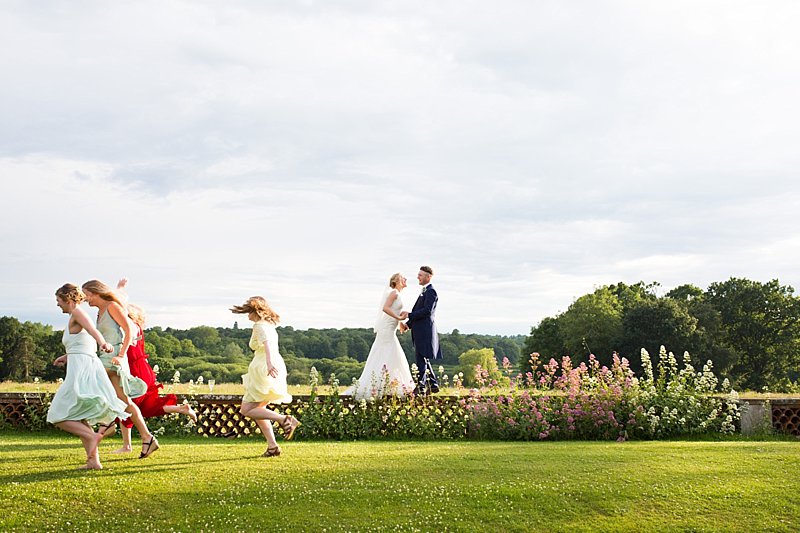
[(386, 371), (133, 387), (86, 393), (151, 403), (260, 386)]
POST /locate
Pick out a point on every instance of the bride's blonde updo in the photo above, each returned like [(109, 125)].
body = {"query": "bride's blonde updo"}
[(70, 293), (102, 290), (259, 306), (393, 280)]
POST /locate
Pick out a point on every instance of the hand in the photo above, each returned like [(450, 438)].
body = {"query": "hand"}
[(403, 315), (272, 371), (60, 361), (122, 283), (116, 360), (106, 347), (403, 327)]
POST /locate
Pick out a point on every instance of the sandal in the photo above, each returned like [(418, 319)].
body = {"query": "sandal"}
[(289, 425), (107, 430), (150, 447), (272, 452)]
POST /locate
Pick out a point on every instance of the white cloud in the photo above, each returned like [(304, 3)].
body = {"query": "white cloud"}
[(529, 151)]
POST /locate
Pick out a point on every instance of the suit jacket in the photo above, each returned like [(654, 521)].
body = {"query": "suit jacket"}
[(423, 325)]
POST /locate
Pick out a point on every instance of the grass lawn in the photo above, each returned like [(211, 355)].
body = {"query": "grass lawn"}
[(219, 485)]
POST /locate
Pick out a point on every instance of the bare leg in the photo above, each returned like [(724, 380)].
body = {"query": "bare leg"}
[(184, 409), (133, 409), (126, 440), (88, 437), (263, 418), (269, 434)]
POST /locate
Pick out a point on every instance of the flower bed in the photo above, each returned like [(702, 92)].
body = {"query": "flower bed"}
[(559, 401)]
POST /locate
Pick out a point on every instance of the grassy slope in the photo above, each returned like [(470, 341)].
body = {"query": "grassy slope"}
[(196, 484)]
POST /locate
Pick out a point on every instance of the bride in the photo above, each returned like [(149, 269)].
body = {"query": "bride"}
[(386, 371)]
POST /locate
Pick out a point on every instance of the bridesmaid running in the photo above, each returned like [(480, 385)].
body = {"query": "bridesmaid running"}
[(86, 396), (265, 381), (151, 403), (113, 323)]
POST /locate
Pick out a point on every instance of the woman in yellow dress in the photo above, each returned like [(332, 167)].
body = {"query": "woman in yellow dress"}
[(265, 381)]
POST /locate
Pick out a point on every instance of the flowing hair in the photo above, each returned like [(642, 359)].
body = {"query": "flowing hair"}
[(259, 306), (102, 290), (136, 314)]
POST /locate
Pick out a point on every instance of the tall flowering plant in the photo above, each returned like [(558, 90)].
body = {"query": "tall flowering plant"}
[(591, 401)]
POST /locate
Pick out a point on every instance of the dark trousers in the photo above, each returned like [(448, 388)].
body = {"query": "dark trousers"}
[(427, 377)]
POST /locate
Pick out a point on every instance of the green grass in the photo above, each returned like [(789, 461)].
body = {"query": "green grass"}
[(220, 485)]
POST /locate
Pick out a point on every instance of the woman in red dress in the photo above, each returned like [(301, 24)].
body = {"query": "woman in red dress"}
[(152, 403)]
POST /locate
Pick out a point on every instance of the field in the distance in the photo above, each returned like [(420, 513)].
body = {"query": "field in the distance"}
[(220, 485)]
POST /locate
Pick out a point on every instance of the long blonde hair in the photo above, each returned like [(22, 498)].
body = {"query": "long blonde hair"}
[(136, 314), (259, 306), (102, 290)]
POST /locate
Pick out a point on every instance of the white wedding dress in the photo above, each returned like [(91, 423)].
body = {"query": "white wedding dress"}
[(386, 371)]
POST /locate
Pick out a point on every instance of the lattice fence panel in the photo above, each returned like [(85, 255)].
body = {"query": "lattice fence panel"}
[(786, 418), (15, 408)]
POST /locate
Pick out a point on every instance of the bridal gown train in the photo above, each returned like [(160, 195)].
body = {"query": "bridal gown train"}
[(386, 371)]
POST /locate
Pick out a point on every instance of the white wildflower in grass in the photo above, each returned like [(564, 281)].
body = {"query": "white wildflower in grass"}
[(176, 377), (155, 369)]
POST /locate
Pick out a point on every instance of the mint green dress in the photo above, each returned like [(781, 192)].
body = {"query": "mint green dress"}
[(86, 393), (132, 386)]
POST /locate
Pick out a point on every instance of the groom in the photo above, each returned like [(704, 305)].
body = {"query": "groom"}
[(423, 332)]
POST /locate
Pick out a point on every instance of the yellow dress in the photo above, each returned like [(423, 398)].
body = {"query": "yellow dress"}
[(259, 386)]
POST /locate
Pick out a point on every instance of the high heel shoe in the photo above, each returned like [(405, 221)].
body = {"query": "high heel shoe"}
[(149, 448), (289, 425), (272, 452)]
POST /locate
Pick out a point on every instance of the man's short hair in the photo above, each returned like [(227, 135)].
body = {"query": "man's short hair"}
[(427, 269)]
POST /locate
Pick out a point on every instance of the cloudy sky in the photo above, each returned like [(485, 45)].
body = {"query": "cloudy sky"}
[(529, 151)]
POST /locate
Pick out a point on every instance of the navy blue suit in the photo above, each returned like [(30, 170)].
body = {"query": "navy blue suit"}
[(425, 337)]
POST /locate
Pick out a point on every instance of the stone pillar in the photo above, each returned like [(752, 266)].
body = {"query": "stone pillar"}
[(756, 417)]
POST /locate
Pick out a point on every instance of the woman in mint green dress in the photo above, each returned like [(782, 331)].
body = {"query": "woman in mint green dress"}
[(86, 396), (113, 323)]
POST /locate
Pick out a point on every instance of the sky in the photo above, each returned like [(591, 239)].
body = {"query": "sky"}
[(529, 151)]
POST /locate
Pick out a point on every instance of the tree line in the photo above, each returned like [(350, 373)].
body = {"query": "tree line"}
[(748, 329), (27, 350)]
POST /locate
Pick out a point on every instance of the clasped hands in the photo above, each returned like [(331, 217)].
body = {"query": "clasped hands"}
[(403, 326)]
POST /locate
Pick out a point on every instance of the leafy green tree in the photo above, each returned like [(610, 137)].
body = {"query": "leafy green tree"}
[(762, 323), (484, 357), (204, 337), (545, 339), (593, 324), (9, 332), (25, 362), (651, 323), (233, 353), (711, 341)]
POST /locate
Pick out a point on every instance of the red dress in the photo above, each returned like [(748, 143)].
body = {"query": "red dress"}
[(151, 404)]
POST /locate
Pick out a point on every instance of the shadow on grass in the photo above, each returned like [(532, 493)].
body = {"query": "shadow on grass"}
[(108, 470)]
